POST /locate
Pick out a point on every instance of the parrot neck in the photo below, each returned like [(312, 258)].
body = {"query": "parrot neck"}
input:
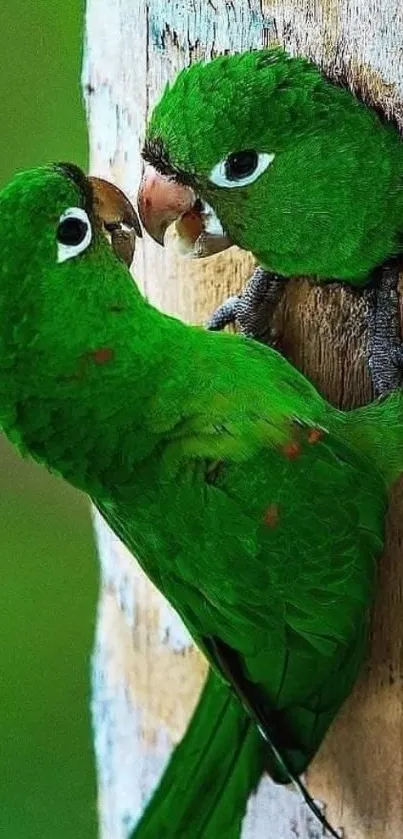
[(93, 416)]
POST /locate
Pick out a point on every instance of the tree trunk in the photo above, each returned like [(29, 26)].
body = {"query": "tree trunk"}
[(146, 674)]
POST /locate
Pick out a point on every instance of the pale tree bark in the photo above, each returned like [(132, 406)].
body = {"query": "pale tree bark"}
[(147, 675)]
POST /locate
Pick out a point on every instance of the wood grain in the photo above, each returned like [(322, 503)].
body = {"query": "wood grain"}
[(146, 675)]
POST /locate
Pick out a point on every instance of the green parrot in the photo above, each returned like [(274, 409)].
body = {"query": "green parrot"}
[(271, 156), (49, 217), (256, 507)]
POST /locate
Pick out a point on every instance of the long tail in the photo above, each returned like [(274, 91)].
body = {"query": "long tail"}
[(204, 791), (277, 758)]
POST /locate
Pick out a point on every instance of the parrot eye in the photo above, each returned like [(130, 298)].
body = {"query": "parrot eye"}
[(74, 233), (241, 164), (240, 168)]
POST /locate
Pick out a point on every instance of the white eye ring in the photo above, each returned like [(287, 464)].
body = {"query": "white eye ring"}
[(68, 244), (219, 177)]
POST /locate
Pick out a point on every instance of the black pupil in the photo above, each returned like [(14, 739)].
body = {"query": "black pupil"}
[(71, 231), (240, 164)]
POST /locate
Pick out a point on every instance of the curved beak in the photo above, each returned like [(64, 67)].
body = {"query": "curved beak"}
[(117, 216), (162, 200)]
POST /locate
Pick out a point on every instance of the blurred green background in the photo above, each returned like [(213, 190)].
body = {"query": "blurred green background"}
[(47, 558)]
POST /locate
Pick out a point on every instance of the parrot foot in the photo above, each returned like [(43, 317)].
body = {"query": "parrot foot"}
[(252, 311), (385, 346)]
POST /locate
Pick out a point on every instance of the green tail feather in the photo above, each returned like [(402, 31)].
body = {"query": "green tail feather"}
[(204, 791)]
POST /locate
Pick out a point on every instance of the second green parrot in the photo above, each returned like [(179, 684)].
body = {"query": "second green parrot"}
[(268, 154)]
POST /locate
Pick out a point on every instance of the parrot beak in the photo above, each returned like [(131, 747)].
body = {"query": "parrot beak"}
[(117, 216), (162, 201)]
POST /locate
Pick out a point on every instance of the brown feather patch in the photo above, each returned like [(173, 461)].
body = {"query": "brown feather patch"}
[(314, 435), (271, 516)]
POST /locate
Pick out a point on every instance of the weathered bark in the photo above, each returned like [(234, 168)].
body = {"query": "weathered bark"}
[(146, 673)]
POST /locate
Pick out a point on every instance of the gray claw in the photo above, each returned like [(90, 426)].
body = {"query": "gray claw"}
[(224, 315), (253, 310)]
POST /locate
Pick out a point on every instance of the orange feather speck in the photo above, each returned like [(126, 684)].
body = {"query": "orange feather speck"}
[(101, 355), (314, 435), (292, 450), (271, 516)]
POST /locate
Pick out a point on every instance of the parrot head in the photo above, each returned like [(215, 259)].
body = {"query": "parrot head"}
[(260, 150), (213, 144), (65, 297)]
